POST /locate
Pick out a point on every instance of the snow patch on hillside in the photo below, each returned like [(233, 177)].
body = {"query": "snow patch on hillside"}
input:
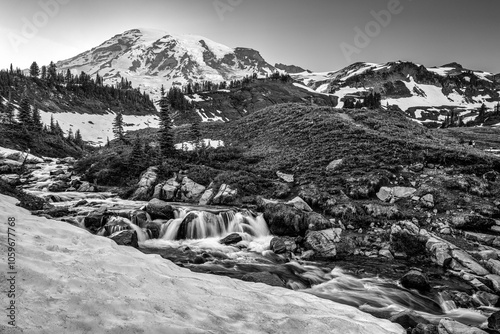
[(191, 146), (97, 128)]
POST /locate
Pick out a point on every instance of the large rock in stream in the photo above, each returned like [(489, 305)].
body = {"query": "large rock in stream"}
[(284, 220), (146, 184), (323, 243), (159, 209)]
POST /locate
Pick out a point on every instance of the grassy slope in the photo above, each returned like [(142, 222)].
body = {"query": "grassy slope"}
[(304, 140)]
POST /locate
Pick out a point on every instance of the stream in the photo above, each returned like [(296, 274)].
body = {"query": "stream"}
[(191, 240)]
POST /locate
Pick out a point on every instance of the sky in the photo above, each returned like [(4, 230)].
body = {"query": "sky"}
[(319, 35)]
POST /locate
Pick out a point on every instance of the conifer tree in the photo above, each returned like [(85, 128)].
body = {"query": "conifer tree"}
[(118, 126), (52, 125), (78, 138), (36, 119), (34, 70), (195, 133), (70, 135), (136, 155), (9, 112), (165, 137), (24, 116), (57, 130), (43, 74)]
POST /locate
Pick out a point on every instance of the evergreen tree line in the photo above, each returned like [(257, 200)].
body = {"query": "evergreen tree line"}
[(30, 120), (82, 85)]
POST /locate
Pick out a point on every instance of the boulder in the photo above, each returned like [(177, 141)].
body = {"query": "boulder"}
[(58, 186), (95, 220), (385, 194), (415, 279), (440, 251), (264, 277), (139, 218), (170, 189), (323, 243), (159, 209), (494, 321), (284, 220), (468, 262), (233, 238), (225, 195), (125, 238), (190, 190), (407, 319), (448, 326), (206, 197), (493, 266), (278, 245), (285, 177), (317, 222), (146, 184), (334, 165), (403, 192), (158, 192), (494, 281), (300, 204), (427, 201), (484, 298), (86, 187)]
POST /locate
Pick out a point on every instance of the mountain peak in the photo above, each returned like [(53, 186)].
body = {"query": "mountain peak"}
[(150, 58), (454, 65)]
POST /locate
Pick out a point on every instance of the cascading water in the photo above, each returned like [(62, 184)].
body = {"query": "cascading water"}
[(203, 224)]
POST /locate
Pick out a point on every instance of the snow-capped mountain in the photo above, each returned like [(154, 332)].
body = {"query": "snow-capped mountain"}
[(427, 95), (151, 58)]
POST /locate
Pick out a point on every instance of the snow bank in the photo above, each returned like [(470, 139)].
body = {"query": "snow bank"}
[(190, 146), (9, 154), (70, 281)]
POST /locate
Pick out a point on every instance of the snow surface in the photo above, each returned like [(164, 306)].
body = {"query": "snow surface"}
[(190, 146), (9, 154), (70, 281), (97, 128)]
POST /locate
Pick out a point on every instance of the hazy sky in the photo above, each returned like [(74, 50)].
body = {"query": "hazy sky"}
[(307, 33)]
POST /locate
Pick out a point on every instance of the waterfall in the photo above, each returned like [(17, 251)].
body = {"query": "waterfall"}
[(202, 224)]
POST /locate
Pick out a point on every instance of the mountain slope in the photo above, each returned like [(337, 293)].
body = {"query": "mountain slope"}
[(151, 58), (427, 95), (89, 108)]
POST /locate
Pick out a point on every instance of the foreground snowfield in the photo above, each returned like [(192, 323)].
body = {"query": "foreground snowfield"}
[(70, 281)]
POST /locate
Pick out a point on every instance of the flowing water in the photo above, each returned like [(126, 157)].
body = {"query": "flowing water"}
[(191, 240)]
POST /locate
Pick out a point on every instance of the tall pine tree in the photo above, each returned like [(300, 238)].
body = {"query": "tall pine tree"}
[(78, 138), (34, 70), (24, 115), (36, 120), (136, 157), (118, 126), (165, 137)]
